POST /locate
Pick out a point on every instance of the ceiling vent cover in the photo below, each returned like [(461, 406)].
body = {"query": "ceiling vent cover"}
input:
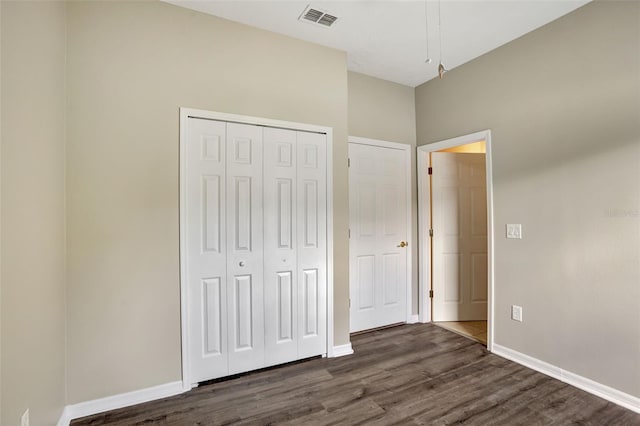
[(316, 16)]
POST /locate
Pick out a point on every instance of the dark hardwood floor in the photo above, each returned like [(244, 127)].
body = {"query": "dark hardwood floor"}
[(408, 375)]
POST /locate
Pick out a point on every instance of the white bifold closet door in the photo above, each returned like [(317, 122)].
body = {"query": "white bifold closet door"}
[(294, 244), (256, 242), (244, 248)]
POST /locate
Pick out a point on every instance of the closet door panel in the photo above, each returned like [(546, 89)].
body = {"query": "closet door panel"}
[(255, 232), (312, 243), (280, 231), (244, 247), (205, 239)]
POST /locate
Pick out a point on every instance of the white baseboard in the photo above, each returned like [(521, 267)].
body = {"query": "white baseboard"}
[(598, 389), (65, 418), (342, 350), (413, 319), (114, 402)]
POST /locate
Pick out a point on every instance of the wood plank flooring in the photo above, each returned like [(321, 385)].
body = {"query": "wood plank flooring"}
[(476, 330), (415, 374)]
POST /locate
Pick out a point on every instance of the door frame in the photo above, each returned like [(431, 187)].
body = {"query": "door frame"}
[(185, 114), (424, 219), (407, 150)]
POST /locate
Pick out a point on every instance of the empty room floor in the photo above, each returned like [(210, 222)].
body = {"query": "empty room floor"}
[(417, 374), (476, 330)]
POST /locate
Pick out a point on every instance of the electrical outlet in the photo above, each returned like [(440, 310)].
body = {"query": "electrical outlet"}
[(24, 420), (516, 313), (514, 231)]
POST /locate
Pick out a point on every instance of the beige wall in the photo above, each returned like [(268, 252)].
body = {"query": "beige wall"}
[(563, 105), (131, 66), (380, 109), (1, 102), (32, 213), (566, 153), (1, 212)]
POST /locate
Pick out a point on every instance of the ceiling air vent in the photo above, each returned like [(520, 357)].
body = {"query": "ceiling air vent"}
[(318, 17)]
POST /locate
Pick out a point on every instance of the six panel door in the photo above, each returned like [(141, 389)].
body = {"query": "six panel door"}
[(378, 225), (244, 247), (207, 248), (256, 238), (459, 203), (312, 243), (280, 260)]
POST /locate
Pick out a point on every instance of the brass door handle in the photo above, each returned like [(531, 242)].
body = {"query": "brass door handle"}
[(403, 244)]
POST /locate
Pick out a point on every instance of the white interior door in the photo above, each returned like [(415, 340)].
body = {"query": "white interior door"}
[(295, 242), (459, 221), (206, 243), (378, 229), (280, 232), (244, 247), (224, 241), (312, 243), (255, 233)]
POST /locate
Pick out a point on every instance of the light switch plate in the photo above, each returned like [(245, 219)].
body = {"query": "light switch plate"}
[(514, 231), (516, 313)]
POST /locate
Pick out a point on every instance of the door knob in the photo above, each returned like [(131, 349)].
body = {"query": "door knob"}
[(241, 263), (402, 244)]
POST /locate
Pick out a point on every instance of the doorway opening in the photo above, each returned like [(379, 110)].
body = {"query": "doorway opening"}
[(455, 203)]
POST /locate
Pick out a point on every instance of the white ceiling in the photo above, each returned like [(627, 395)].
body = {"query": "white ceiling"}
[(386, 39)]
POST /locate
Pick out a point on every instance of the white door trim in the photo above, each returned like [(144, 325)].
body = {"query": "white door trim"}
[(407, 149), (424, 218), (185, 113)]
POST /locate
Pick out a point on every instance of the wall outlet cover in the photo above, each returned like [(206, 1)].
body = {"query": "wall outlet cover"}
[(24, 420)]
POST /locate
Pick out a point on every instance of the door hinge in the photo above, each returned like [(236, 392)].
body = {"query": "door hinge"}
[(431, 294), (431, 232), (349, 232), (430, 170), (349, 303), (348, 162)]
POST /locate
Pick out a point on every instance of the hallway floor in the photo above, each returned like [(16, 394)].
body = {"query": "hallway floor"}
[(476, 330)]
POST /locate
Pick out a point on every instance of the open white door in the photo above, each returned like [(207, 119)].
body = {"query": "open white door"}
[(459, 217), (378, 252)]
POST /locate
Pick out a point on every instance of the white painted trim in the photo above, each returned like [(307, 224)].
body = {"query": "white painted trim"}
[(185, 113), (410, 241), (330, 319), (407, 149), (88, 408), (598, 389), (380, 143), (342, 350), (425, 218), (65, 417), (490, 244), (184, 296), (424, 266), (413, 319), (258, 121)]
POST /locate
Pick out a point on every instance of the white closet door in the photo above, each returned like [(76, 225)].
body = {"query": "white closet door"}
[(312, 243), (205, 239), (244, 248), (280, 274), (256, 240)]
